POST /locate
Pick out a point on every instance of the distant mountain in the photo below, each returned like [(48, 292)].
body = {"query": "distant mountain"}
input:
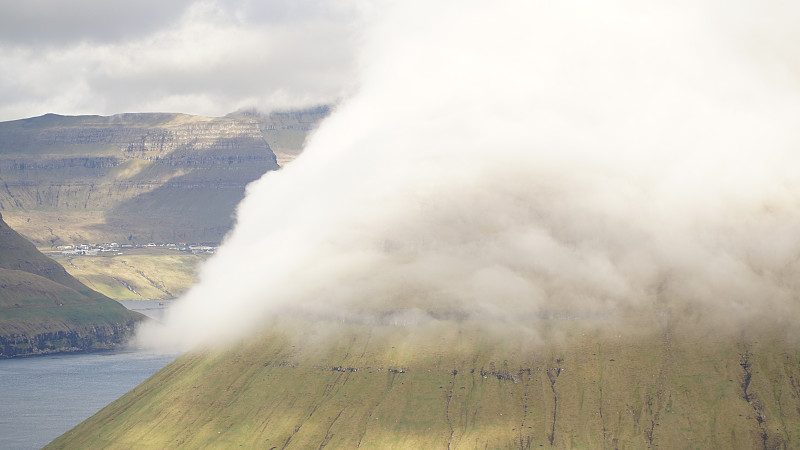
[(139, 177), (45, 310), (468, 384)]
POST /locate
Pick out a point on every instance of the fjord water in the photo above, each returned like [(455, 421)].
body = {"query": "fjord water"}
[(43, 397)]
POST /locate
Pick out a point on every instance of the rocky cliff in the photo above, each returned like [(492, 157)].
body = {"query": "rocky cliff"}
[(138, 177), (86, 338)]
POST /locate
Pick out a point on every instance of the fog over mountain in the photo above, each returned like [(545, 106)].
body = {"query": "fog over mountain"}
[(533, 159)]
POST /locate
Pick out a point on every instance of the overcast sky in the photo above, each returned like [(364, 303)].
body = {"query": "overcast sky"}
[(207, 57)]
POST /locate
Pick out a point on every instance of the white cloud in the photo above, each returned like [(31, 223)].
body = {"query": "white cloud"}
[(526, 158)]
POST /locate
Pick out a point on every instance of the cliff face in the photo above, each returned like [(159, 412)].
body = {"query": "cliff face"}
[(137, 177), (86, 338), (286, 131)]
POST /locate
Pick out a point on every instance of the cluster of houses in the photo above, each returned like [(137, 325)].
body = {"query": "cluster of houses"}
[(95, 249)]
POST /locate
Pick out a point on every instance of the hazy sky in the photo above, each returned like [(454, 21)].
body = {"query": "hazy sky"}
[(207, 57)]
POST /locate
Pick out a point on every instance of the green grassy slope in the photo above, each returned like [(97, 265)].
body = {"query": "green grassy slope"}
[(466, 385), (43, 309), (157, 275), (18, 254)]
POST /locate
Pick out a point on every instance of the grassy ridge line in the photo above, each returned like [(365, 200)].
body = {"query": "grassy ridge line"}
[(465, 385), (17, 254)]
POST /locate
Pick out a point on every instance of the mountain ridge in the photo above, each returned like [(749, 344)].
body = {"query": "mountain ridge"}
[(139, 177)]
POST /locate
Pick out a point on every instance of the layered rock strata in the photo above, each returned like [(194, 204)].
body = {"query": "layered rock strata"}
[(138, 177)]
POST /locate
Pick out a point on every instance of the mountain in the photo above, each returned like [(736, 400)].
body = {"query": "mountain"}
[(462, 384), (45, 310), (139, 177)]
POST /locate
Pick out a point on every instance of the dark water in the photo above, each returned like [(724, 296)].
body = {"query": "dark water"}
[(150, 308), (44, 396)]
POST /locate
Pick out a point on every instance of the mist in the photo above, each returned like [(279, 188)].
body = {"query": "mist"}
[(529, 160)]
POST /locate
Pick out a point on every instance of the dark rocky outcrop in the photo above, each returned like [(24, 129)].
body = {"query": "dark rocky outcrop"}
[(88, 338)]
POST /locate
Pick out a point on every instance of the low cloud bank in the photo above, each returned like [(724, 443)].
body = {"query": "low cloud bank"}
[(531, 160)]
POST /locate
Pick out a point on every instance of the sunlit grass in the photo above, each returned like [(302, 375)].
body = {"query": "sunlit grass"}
[(318, 384)]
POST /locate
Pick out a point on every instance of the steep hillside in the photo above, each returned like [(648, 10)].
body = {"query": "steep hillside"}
[(45, 310), (138, 177), (446, 384), (130, 276)]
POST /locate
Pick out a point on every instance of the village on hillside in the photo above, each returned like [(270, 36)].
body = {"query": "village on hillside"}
[(118, 249)]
